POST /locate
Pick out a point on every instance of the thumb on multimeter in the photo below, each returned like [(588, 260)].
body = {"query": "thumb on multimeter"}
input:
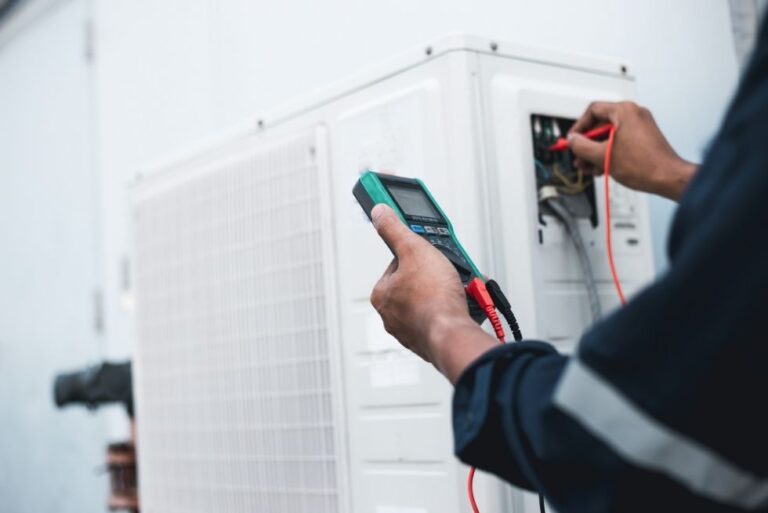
[(391, 229)]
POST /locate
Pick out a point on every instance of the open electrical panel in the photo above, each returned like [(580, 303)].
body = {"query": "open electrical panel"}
[(555, 168)]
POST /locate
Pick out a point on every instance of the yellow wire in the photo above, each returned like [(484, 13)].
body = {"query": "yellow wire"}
[(569, 187)]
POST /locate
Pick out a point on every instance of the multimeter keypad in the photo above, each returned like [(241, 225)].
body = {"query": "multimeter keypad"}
[(440, 237), (446, 243)]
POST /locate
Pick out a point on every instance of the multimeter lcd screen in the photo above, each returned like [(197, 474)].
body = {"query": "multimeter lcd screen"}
[(413, 202)]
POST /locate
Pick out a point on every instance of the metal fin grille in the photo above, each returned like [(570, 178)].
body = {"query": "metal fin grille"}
[(234, 392)]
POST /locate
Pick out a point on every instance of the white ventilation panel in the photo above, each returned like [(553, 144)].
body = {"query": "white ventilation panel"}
[(235, 387)]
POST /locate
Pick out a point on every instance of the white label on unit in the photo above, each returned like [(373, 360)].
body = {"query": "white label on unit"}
[(394, 373), (399, 509)]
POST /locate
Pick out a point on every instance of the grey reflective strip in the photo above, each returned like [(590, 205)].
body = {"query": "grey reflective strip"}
[(641, 440)]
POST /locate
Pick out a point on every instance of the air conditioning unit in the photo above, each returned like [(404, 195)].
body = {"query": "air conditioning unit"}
[(265, 381)]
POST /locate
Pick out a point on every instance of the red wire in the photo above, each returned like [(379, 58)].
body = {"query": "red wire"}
[(491, 312), (476, 289), (608, 238), (471, 491)]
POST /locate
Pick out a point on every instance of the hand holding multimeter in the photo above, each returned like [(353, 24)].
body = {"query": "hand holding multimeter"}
[(417, 209), (410, 199), (419, 296)]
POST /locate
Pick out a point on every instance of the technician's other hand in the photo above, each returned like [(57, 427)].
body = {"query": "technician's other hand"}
[(642, 159), (422, 302)]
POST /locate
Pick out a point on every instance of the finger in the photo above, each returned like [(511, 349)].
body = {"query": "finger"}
[(392, 230), (586, 150), (596, 114)]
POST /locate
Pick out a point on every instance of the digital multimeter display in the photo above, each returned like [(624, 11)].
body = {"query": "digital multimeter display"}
[(413, 202)]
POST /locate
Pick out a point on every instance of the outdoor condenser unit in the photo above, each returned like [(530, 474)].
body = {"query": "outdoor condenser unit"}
[(265, 381)]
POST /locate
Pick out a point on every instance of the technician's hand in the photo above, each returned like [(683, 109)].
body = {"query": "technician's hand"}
[(422, 301), (642, 158)]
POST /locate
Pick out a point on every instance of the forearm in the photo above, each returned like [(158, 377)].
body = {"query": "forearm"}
[(455, 343), (671, 181)]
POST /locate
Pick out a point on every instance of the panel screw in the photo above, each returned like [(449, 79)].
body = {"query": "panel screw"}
[(428, 50), (494, 46)]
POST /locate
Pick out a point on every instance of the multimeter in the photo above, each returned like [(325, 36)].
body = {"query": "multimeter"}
[(417, 208)]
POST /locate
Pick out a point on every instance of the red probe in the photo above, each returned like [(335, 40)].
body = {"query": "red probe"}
[(596, 133)]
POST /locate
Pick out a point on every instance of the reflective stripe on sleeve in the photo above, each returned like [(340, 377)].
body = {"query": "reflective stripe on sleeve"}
[(644, 442)]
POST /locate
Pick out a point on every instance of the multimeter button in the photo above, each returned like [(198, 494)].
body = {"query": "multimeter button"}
[(442, 231), (417, 228), (430, 229)]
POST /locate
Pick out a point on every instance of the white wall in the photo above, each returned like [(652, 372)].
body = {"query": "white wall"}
[(173, 71), (48, 268)]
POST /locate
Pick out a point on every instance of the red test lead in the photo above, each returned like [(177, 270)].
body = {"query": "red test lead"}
[(596, 133)]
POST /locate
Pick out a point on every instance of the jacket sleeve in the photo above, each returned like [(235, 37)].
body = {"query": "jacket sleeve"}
[(507, 421)]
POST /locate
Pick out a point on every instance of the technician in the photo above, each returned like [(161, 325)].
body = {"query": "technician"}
[(663, 407)]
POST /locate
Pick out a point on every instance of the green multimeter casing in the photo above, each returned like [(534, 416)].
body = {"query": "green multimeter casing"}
[(417, 208)]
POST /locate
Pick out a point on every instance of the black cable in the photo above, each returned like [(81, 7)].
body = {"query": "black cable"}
[(502, 304), (563, 213)]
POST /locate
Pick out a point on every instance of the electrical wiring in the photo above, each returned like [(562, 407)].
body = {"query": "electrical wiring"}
[(568, 186), (560, 209), (578, 185), (608, 235), (541, 168)]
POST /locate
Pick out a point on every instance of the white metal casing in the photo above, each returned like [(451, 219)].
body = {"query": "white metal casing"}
[(455, 114)]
